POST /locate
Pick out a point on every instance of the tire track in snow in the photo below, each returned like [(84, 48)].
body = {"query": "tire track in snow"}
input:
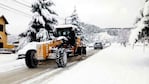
[(72, 62), (50, 68)]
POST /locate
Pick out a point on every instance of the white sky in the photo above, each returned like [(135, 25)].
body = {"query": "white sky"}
[(103, 13)]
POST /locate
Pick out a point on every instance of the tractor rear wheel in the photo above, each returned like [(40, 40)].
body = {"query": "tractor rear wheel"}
[(61, 57), (30, 59), (84, 50), (81, 51)]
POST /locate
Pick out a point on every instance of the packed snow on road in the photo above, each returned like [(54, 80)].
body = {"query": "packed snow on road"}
[(9, 62), (114, 65)]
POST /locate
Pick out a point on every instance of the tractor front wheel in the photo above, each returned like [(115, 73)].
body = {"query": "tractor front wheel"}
[(30, 59), (61, 57)]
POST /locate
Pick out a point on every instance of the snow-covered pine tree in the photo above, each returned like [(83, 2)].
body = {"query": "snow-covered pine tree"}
[(44, 16), (141, 31), (75, 21), (138, 18)]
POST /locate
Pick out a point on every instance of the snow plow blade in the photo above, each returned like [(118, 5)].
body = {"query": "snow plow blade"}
[(21, 56)]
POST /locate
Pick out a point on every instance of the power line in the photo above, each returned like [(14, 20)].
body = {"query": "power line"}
[(22, 3), (14, 10)]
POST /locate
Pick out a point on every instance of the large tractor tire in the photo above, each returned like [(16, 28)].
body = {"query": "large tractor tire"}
[(84, 50), (30, 59), (81, 51), (61, 57)]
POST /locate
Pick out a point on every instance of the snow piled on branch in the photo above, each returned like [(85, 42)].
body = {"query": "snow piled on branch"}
[(38, 18), (53, 8), (42, 35), (46, 14), (48, 1), (135, 32), (141, 24), (34, 2), (146, 9), (46, 10)]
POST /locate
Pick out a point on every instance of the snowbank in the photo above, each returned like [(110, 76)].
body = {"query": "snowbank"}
[(114, 65), (9, 62)]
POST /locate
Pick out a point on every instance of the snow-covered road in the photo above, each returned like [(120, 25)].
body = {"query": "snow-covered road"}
[(113, 65), (15, 71)]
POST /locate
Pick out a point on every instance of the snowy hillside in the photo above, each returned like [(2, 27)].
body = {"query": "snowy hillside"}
[(94, 33)]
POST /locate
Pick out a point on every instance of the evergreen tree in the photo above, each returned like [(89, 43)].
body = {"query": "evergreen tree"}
[(75, 21), (41, 25), (43, 17), (74, 17), (142, 24), (139, 16)]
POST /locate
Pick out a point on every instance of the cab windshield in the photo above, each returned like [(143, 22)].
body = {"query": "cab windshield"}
[(63, 31)]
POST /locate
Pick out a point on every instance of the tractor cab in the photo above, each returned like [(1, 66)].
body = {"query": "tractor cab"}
[(68, 31)]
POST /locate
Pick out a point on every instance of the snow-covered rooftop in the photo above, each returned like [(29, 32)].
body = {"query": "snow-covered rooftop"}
[(65, 26)]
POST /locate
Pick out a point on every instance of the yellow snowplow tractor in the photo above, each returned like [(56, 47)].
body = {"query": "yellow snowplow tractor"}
[(66, 43)]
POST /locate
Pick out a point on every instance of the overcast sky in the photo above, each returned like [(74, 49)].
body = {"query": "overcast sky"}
[(104, 13)]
